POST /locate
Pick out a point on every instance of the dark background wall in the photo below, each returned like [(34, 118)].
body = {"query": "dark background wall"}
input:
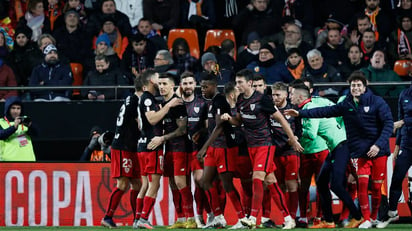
[(64, 127)]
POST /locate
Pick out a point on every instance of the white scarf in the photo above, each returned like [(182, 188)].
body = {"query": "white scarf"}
[(36, 24)]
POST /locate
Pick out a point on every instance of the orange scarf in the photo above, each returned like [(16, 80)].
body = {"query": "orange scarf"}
[(372, 17)]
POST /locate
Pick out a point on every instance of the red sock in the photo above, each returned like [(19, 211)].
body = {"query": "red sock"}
[(187, 200), (148, 204), (363, 197), (292, 202), (213, 198), (177, 201), (114, 201), (247, 198), (257, 197), (279, 198), (235, 199), (376, 199), (199, 200), (133, 198), (266, 204), (139, 208)]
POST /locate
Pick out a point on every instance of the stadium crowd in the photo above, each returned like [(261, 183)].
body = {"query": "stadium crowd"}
[(273, 138)]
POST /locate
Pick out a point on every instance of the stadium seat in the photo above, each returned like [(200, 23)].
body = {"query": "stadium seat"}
[(191, 37), (215, 37), (403, 67)]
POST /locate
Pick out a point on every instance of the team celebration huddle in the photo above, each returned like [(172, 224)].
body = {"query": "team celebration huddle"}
[(273, 139)]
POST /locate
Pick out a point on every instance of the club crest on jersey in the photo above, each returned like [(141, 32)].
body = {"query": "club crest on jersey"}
[(252, 106), (196, 109), (287, 117), (233, 136), (366, 108), (148, 102)]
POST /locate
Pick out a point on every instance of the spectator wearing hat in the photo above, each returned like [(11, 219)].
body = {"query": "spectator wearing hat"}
[(266, 66), (331, 24), (108, 9), (71, 39), (293, 39), (118, 41), (51, 72), (251, 52), (104, 47), (210, 65), (22, 59), (293, 66), (139, 55), (35, 19)]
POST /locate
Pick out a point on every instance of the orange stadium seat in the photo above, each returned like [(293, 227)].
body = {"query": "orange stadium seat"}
[(77, 70), (191, 37), (403, 67), (215, 37)]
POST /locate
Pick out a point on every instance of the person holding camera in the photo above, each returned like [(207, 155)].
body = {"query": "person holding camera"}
[(15, 132), (99, 147)]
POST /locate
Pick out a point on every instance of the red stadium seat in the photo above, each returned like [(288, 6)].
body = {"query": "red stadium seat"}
[(215, 37), (191, 37), (403, 67)]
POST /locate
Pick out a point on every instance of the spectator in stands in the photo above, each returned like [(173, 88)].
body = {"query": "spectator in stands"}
[(75, 5), (279, 37), (226, 58), (51, 73), (108, 9), (145, 28), (380, 20), (4, 49), (331, 23), (251, 52), (321, 72), (404, 8), (333, 51), (118, 41), (7, 79), (209, 65), (354, 62), (35, 19), (132, 8), (164, 14), (71, 39), (368, 44), (378, 72), (15, 132), (182, 58), (104, 75), (362, 24), (139, 55), (53, 10), (22, 58), (199, 15), (257, 16), (293, 66), (103, 47), (400, 42), (163, 62), (266, 65), (293, 39)]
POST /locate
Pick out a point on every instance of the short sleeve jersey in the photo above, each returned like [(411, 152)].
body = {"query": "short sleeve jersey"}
[(178, 144), (127, 130), (255, 112), (280, 138), (219, 106), (196, 117), (148, 131)]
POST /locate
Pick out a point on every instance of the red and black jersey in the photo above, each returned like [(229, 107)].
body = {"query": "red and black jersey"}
[(127, 132), (177, 144), (280, 138), (219, 106), (148, 103), (255, 112), (196, 117), (239, 136)]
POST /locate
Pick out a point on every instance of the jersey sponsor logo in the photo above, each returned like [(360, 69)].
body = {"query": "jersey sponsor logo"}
[(148, 102), (196, 109), (366, 109), (275, 123), (252, 117), (252, 106), (193, 119), (142, 140), (210, 107)]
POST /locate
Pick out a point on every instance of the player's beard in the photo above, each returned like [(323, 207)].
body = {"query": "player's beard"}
[(187, 93)]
